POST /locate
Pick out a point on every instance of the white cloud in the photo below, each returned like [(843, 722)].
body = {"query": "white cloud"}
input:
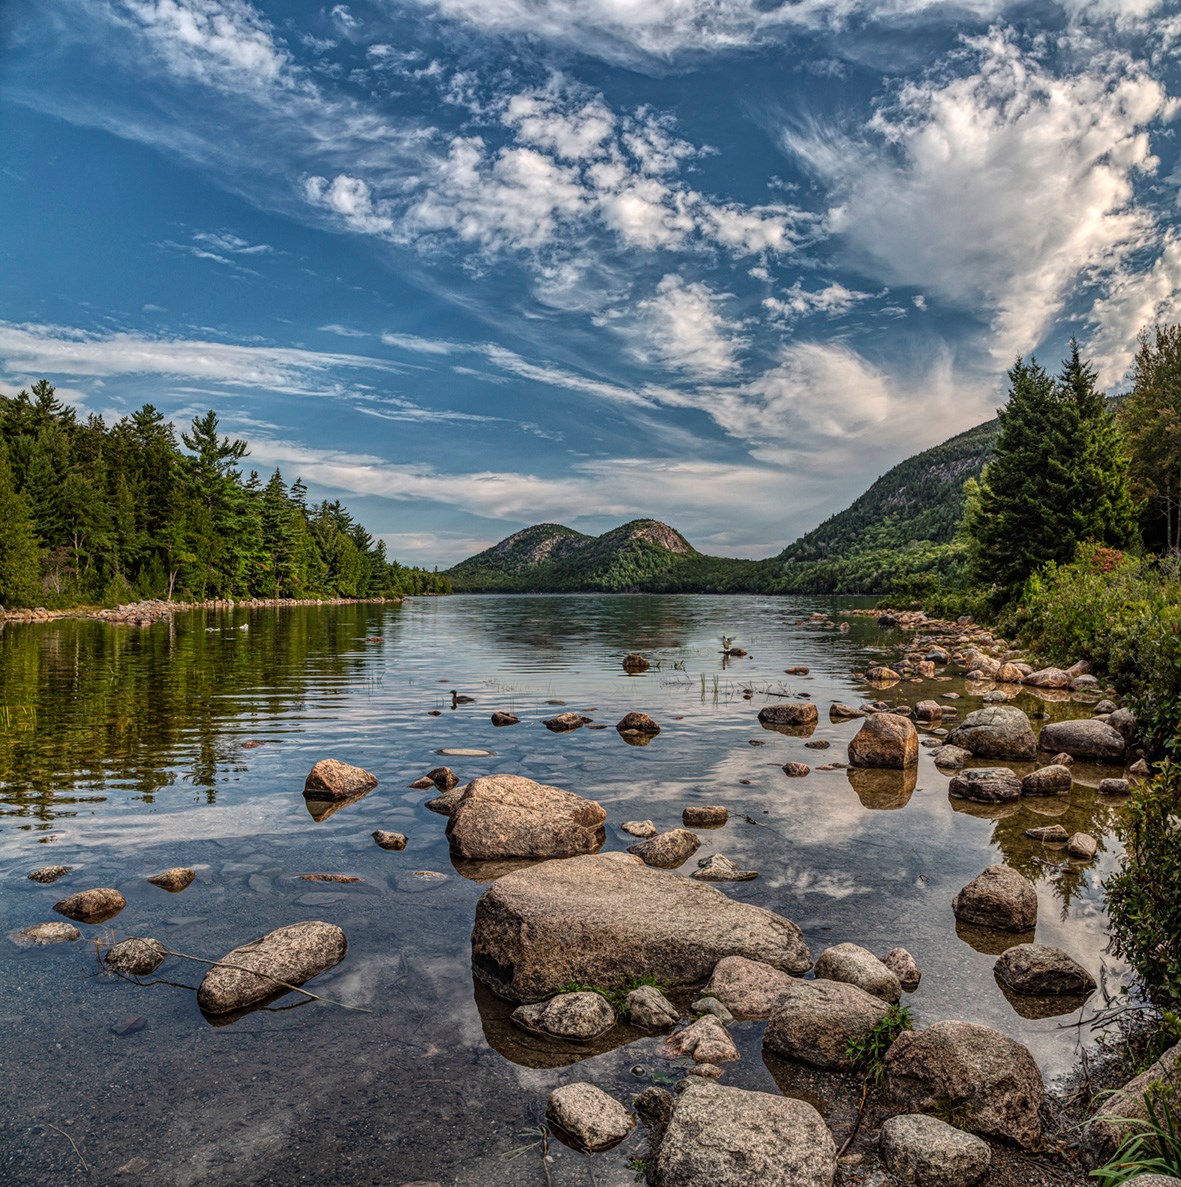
[(682, 327), (413, 342), (342, 331), (999, 189), (231, 244), (834, 299)]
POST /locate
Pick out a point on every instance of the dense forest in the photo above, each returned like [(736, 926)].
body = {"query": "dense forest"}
[(91, 514)]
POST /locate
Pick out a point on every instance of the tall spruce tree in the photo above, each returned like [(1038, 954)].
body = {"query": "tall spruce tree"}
[(20, 554), (1058, 477)]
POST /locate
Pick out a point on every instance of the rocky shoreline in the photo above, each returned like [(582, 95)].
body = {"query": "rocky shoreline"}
[(154, 610)]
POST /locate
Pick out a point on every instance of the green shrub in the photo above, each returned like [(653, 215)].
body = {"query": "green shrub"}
[(869, 1051), (1150, 1147), (1144, 896)]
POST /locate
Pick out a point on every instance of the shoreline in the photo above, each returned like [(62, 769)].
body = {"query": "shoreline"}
[(153, 610)]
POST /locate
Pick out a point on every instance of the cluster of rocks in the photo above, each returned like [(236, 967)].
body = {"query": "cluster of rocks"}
[(153, 610)]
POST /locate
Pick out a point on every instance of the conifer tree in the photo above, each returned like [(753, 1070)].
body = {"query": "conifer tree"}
[(20, 554)]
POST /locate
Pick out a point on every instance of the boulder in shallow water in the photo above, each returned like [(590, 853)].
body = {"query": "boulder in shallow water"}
[(564, 722), (501, 719), (593, 1119), (174, 880), (40, 934), (1051, 780), (704, 1041), (1039, 970), (854, 965), (576, 1017), (999, 731), (748, 988), (988, 1081), (292, 955), (333, 780), (136, 956), (815, 1021), (637, 723), (92, 906), (388, 840), (604, 919), (504, 816), (886, 740), (925, 1152), (1083, 737), (1000, 898), (705, 816), (48, 874), (639, 828), (802, 713), (986, 785), (731, 1137), (719, 868), (904, 967), (667, 850)]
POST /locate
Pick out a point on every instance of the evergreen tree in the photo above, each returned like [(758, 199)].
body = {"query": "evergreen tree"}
[(20, 554), (1151, 420)]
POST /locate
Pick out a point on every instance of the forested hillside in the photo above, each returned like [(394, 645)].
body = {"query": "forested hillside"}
[(97, 514)]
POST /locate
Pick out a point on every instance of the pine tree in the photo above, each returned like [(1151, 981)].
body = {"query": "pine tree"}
[(20, 554)]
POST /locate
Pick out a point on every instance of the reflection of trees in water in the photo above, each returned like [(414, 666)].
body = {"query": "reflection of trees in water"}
[(93, 704), (1082, 811)]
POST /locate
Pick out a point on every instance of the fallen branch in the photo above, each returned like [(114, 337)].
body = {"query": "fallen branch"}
[(72, 1143), (856, 1120)]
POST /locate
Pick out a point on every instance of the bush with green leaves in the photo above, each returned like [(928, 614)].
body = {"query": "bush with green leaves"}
[(868, 1051), (1144, 895)]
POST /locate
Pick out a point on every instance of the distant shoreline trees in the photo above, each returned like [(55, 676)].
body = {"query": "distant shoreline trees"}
[(91, 514)]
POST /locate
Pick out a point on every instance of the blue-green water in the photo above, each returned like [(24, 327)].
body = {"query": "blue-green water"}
[(124, 751)]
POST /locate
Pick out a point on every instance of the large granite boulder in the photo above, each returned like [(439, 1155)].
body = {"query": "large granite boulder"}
[(505, 816), (601, 920), (854, 965), (333, 780), (1048, 678), (1084, 737), (997, 731), (886, 740), (1121, 1113), (922, 1151), (814, 1022), (986, 785), (729, 1137), (748, 988), (1051, 780), (591, 1117), (287, 956), (1039, 970), (1001, 898), (988, 1081)]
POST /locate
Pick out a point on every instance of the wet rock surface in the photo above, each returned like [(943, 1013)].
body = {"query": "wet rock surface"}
[(139, 957), (1038, 969), (600, 920), (389, 840), (637, 723), (331, 779), (667, 850), (999, 731), (1000, 897), (800, 713), (39, 934), (1083, 737), (292, 954), (47, 874), (593, 1119), (705, 816), (564, 722), (174, 880), (92, 906)]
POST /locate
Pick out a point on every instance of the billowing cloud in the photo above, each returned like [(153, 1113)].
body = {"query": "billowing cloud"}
[(998, 189)]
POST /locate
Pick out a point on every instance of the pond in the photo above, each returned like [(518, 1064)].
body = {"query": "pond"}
[(125, 751)]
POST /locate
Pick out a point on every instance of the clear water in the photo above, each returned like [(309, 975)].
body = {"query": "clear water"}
[(124, 751)]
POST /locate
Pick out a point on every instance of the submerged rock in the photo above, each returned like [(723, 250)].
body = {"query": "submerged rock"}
[(1048, 834), (576, 1017), (565, 722), (731, 1137), (796, 770), (388, 840), (333, 780), (292, 954), (601, 920), (639, 828), (40, 934), (815, 1022), (48, 874), (503, 816), (988, 1081), (593, 1119), (719, 868), (92, 906)]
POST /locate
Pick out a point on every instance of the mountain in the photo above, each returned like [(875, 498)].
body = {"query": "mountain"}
[(644, 554), (899, 536)]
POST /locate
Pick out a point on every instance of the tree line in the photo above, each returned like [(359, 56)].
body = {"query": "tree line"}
[(91, 513)]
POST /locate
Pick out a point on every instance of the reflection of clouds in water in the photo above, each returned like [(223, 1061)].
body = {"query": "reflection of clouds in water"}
[(801, 882)]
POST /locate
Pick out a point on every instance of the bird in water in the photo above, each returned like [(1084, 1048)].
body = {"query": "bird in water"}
[(456, 699)]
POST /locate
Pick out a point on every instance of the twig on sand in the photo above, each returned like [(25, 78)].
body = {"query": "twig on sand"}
[(549, 1178), (72, 1143), (856, 1120)]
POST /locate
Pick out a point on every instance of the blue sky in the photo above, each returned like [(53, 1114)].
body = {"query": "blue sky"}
[(474, 264)]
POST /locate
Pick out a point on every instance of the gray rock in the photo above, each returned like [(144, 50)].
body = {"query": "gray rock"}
[(705, 816), (904, 967), (796, 770), (1139, 768), (1048, 678), (926, 1152), (648, 1008), (839, 712), (719, 868), (729, 1137), (1039, 970), (748, 988), (600, 920), (1051, 780), (802, 713), (710, 1005), (333, 780), (1114, 787), (951, 757), (576, 1017), (388, 840), (47, 874), (667, 850), (1124, 722), (1062, 760), (1120, 1113), (1000, 897), (928, 711), (92, 906), (1103, 709), (995, 697), (135, 956), (885, 740), (292, 954), (639, 828), (855, 965), (986, 785), (988, 1081), (40, 934), (1048, 834), (1084, 737), (507, 816), (814, 1022), (1082, 847), (1000, 731), (594, 1119), (704, 1041), (1153, 1181), (174, 880), (565, 722), (709, 1071)]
